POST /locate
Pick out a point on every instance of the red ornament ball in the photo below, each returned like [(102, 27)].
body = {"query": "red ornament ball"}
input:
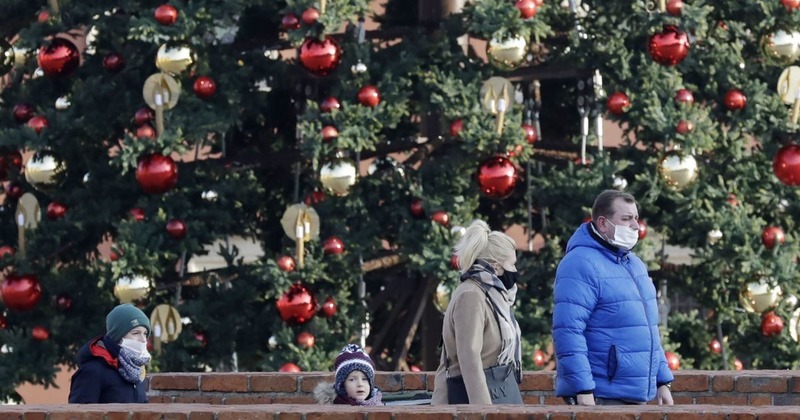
[(673, 361), (201, 338), (771, 324), (286, 263), (143, 116), (527, 8), (642, 229), (289, 368), (333, 246), (329, 133), (441, 217), (315, 197), (306, 340), (297, 306), (137, 214), (166, 14), (455, 128), (715, 346), (320, 57), (6, 251), (114, 62), (156, 173), (786, 165), (290, 22), (146, 131), (791, 5), (771, 236), (668, 47), (176, 228), (735, 100), (63, 302), (310, 16), (674, 7), (454, 262), (38, 123), (369, 96), (14, 190), (684, 127), (684, 96), (328, 308), (23, 112), (530, 133), (43, 16), (329, 104), (539, 358), (56, 210), (40, 333), (618, 103), (60, 58), (21, 292), (417, 208), (204, 87), (497, 177), (732, 200)]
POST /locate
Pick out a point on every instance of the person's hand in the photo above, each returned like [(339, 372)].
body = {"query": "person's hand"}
[(664, 395), (588, 399)]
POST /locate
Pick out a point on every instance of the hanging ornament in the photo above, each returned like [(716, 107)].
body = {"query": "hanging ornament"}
[(455, 128), (771, 236), (45, 171), (760, 296), (166, 14), (333, 246), (337, 177), (209, 195), (780, 48), (328, 308), (176, 57), (358, 68), (539, 358), (204, 87), (315, 197), (3, 322), (329, 104), (668, 47), (306, 340), (441, 297), (497, 178), (735, 100), (684, 127), (619, 182), (143, 116), (791, 5), (6, 251), (507, 54), (14, 190), (27, 216), (771, 324), (286, 263), (329, 133), (310, 16), (20, 292), (715, 346), (166, 325), (441, 217), (146, 132), (137, 214), (369, 96), (684, 96), (176, 228), (289, 367), (60, 58), (713, 236), (201, 337), (674, 7), (114, 62), (642, 229), (530, 133), (297, 305), (417, 208), (38, 123), (678, 171), (320, 57), (496, 98), (40, 333), (23, 112), (63, 103), (454, 262), (131, 288), (7, 57), (301, 224), (56, 210), (156, 173), (527, 8), (63, 302), (618, 103), (786, 165), (673, 362), (290, 22)]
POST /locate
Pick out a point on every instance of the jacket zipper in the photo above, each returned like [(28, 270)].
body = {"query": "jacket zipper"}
[(649, 329)]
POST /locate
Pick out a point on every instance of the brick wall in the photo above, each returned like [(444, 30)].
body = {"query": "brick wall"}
[(738, 388)]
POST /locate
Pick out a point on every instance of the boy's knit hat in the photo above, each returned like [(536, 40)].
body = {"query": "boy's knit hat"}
[(353, 357), (124, 318)]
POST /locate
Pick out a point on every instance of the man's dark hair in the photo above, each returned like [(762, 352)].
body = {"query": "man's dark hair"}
[(603, 204)]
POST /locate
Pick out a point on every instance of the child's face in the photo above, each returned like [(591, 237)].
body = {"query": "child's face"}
[(357, 385)]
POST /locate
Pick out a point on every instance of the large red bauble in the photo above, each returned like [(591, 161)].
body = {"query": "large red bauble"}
[(668, 47), (40, 333), (771, 236), (146, 131), (176, 228), (441, 217), (328, 308), (310, 16), (289, 22), (329, 133), (315, 197), (539, 358), (786, 165), (527, 8), (38, 123), (114, 62), (454, 262), (286, 263), (23, 112), (204, 87), (771, 324), (306, 340), (684, 96), (329, 104), (369, 96), (333, 245), (497, 177), (143, 116), (6, 250), (137, 214), (642, 229), (416, 208), (455, 127), (715, 346), (56, 210), (674, 7), (735, 100), (156, 173), (618, 103), (14, 190), (790, 5), (673, 361), (60, 58), (530, 133), (64, 302), (684, 127), (166, 14), (289, 368), (297, 305), (21, 292), (320, 57)]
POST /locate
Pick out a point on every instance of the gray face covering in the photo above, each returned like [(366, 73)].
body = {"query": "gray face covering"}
[(625, 237)]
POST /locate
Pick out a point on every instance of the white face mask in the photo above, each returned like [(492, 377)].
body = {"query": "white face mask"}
[(136, 347), (625, 237)]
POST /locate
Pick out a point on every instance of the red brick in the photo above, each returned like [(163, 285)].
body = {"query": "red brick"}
[(273, 383), (379, 415), (473, 415), (761, 384), (147, 415), (777, 416), (722, 400), (15, 416), (760, 400), (248, 399), (690, 382), (605, 415), (552, 400), (358, 415), (431, 379), (389, 382), (515, 416), (309, 382), (115, 415), (244, 415), (537, 382), (722, 383), (742, 416), (33, 416), (794, 384), (289, 416), (175, 381), (293, 400), (201, 415), (695, 415), (414, 382), (682, 399), (651, 416), (532, 399), (225, 382), (160, 399), (175, 416), (561, 416), (198, 399)]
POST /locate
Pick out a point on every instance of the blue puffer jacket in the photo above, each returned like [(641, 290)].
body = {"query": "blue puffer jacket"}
[(605, 323), (98, 380)]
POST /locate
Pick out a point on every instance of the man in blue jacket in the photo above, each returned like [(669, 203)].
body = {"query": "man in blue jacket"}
[(605, 318)]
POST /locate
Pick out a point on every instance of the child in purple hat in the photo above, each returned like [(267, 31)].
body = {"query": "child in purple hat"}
[(354, 380)]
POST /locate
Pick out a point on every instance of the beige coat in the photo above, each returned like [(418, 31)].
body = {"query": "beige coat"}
[(472, 339)]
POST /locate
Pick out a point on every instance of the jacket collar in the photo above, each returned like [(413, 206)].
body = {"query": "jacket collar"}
[(99, 348)]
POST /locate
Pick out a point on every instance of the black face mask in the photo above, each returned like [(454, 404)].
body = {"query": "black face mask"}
[(509, 278)]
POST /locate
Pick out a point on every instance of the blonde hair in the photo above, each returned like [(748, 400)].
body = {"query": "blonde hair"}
[(480, 242)]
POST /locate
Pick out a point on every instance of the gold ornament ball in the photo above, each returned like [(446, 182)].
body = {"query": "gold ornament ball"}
[(507, 54), (441, 298), (678, 171), (338, 177), (131, 288), (713, 236), (7, 57), (781, 47), (175, 57), (45, 171), (759, 296)]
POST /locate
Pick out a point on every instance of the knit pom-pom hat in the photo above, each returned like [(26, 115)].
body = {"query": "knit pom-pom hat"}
[(353, 357)]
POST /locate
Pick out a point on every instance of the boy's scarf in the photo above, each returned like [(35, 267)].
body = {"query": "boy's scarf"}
[(375, 400), (131, 366)]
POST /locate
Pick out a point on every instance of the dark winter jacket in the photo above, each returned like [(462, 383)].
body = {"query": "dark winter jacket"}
[(605, 323), (98, 379)]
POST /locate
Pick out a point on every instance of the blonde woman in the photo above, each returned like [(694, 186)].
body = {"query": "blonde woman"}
[(480, 361)]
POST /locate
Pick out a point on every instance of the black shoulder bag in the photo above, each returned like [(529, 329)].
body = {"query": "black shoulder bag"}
[(502, 380)]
